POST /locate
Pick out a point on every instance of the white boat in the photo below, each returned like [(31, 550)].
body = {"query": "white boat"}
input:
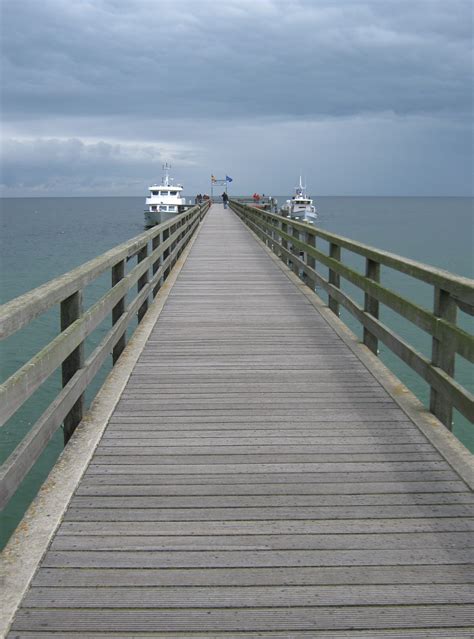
[(164, 200), (300, 207)]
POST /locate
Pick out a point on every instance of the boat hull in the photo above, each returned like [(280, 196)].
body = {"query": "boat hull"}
[(308, 217), (152, 218)]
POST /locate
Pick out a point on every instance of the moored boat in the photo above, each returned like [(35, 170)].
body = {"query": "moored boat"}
[(164, 201), (300, 207)]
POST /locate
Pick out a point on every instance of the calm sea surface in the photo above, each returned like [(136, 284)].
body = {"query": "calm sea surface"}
[(45, 237)]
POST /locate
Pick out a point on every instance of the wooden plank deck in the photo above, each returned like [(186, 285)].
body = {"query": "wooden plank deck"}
[(256, 480)]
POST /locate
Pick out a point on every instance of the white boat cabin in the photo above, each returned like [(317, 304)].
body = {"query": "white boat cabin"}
[(300, 207), (164, 200)]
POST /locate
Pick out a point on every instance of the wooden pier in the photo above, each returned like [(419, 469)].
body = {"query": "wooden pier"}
[(261, 474)]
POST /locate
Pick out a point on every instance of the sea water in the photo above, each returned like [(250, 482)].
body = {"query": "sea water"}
[(45, 237)]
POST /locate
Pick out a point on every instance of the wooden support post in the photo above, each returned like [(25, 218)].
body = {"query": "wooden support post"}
[(260, 231), (262, 227), (284, 243), (143, 280), (334, 278), (155, 243), (71, 310), (268, 232), (295, 268), (118, 273), (275, 238), (310, 261), (443, 356), (173, 246), (166, 252), (371, 305), (180, 237)]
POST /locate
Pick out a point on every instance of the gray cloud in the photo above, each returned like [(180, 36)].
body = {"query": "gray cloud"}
[(235, 58), (105, 80), (384, 154), (76, 166)]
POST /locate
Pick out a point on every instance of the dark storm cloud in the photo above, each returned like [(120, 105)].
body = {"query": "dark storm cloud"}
[(235, 58)]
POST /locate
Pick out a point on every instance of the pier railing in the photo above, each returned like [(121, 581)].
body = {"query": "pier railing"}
[(295, 243), (156, 250)]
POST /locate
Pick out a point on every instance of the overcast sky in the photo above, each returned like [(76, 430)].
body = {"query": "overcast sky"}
[(364, 97)]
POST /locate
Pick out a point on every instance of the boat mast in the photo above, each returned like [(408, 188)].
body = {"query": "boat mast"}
[(166, 179), (300, 190)]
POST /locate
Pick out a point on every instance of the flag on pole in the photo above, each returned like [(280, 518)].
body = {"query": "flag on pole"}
[(228, 179), (213, 178)]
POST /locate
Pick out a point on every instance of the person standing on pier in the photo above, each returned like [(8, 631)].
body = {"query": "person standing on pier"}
[(225, 199)]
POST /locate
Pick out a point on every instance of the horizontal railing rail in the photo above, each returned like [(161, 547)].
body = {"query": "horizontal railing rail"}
[(248, 199), (156, 250), (295, 243)]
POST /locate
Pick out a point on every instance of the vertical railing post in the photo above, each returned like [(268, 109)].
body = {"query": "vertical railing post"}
[(278, 238), (183, 234), (189, 222), (155, 243), (443, 356), (268, 232), (371, 305), (173, 230), (296, 252), (71, 310), (118, 273), (275, 239), (262, 226), (143, 280), (258, 222), (334, 278), (284, 242), (263, 222), (310, 260), (176, 242), (166, 252)]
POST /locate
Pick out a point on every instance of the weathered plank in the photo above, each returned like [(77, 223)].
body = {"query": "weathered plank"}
[(133, 476), (340, 541), (255, 559), (278, 501), (91, 488), (426, 633), (249, 597), (334, 575), (251, 619), (270, 527), (233, 513), (259, 467)]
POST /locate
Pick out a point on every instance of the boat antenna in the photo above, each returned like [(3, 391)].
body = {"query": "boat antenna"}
[(302, 188), (166, 169)]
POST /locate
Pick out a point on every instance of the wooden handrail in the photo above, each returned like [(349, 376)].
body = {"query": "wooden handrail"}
[(289, 238), (457, 285), (21, 310), (67, 349)]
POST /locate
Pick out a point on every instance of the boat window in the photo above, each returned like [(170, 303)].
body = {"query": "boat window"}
[(153, 208), (154, 192), (163, 208), (173, 192), (172, 208)]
